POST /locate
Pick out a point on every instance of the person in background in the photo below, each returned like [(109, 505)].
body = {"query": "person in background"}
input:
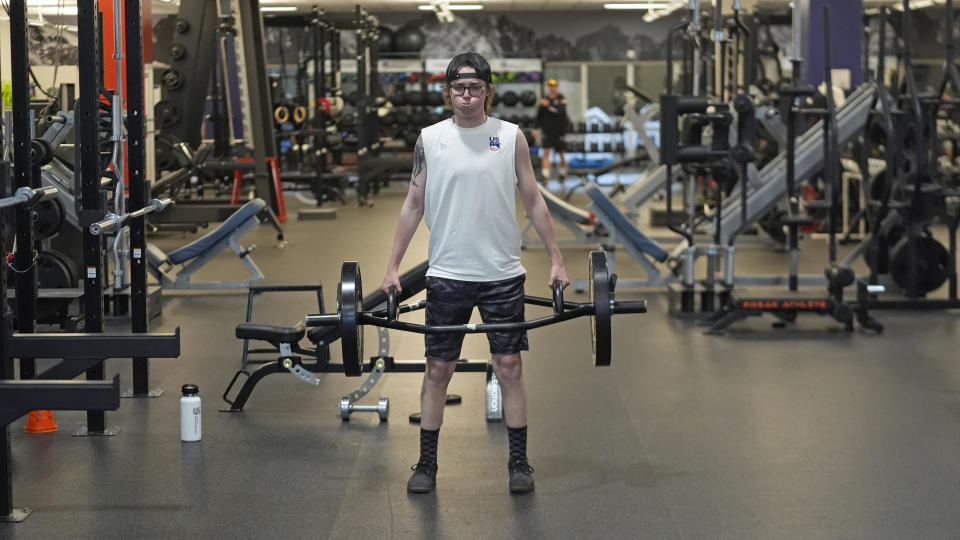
[(553, 122)]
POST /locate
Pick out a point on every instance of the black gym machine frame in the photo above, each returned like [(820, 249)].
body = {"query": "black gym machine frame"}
[(327, 98), (205, 29), (84, 352), (918, 263), (720, 156), (838, 276)]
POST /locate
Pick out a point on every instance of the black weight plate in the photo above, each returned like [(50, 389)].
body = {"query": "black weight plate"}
[(454, 399), (54, 271), (600, 297), (73, 274), (415, 418), (932, 261), (49, 218), (351, 330), (415, 97)]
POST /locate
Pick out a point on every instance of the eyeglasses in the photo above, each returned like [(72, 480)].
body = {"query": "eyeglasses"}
[(476, 90)]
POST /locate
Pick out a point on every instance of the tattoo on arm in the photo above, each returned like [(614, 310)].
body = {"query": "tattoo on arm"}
[(419, 162)]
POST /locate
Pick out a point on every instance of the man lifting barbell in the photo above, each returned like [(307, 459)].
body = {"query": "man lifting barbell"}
[(465, 175)]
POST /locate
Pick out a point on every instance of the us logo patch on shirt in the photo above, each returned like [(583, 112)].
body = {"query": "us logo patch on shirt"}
[(494, 144)]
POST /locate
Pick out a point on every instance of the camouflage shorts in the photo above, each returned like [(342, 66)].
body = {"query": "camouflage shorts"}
[(451, 301)]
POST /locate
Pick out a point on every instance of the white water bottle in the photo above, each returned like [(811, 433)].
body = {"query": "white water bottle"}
[(190, 413), (494, 408)]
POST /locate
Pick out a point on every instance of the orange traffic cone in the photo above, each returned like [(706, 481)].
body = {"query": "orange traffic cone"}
[(40, 422)]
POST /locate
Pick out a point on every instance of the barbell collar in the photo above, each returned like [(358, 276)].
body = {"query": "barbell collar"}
[(634, 306), (329, 319), (106, 225)]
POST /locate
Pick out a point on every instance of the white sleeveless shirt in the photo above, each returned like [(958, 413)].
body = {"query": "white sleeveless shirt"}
[(470, 201)]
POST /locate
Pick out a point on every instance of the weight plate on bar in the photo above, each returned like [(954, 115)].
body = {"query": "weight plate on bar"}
[(600, 296), (351, 330), (48, 216)]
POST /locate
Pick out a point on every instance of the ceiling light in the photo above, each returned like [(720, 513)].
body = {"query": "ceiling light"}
[(671, 7), (918, 4), (455, 7), (640, 5), (278, 8)]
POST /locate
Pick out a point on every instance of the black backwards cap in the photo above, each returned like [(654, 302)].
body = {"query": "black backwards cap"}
[(473, 60)]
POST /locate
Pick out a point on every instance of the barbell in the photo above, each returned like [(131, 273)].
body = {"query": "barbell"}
[(350, 317)]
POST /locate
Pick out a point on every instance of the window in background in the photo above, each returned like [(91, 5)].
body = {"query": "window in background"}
[(650, 78), (600, 90)]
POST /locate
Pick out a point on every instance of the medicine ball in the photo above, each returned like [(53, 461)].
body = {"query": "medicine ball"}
[(528, 98), (398, 99), (434, 99), (415, 97), (401, 118), (509, 98), (496, 99), (408, 39), (385, 41), (419, 118)]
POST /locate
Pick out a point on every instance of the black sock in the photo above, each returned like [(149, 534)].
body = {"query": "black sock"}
[(518, 443), (428, 445)]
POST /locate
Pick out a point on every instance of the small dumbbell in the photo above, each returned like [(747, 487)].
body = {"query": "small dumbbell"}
[(382, 408)]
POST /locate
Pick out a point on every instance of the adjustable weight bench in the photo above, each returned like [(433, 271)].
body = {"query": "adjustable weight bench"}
[(582, 223), (198, 253), (622, 230)]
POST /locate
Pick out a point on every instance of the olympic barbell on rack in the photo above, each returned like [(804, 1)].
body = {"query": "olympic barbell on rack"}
[(111, 222), (29, 196), (350, 316)]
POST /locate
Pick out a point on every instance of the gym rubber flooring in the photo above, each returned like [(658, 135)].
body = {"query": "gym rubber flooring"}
[(803, 432)]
